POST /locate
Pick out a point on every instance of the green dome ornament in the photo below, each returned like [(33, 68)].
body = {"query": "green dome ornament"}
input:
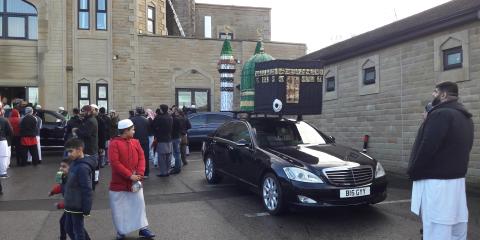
[(247, 85)]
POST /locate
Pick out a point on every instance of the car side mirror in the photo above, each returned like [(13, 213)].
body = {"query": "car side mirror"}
[(332, 139)]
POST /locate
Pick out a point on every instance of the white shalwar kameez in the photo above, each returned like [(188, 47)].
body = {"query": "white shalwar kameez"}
[(4, 157), (128, 211), (443, 208)]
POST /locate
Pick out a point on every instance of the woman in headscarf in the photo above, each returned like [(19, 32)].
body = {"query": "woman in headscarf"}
[(126, 193)]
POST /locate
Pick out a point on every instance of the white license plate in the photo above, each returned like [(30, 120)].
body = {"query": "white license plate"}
[(354, 192)]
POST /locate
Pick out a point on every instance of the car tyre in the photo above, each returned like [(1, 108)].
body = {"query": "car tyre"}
[(272, 195), (211, 173)]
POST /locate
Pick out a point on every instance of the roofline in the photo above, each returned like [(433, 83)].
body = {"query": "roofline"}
[(220, 40), (233, 6), (467, 16)]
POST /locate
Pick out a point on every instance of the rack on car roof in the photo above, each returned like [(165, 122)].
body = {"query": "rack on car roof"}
[(250, 114)]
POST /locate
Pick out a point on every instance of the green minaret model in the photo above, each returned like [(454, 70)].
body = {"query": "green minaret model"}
[(247, 85), (226, 68)]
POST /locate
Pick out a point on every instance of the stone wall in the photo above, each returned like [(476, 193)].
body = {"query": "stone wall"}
[(18, 63), (192, 63), (185, 10), (391, 117), (243, 21), (124, 48), (51, 53)]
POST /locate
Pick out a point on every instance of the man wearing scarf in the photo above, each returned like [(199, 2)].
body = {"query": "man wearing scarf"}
[(438, 165)]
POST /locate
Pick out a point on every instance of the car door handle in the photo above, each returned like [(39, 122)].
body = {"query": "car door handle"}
[(230, 147)]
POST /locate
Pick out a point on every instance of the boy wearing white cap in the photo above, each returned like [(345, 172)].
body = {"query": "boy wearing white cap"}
[(126, 194)]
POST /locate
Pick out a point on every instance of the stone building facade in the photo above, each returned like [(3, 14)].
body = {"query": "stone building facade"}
[(406, 59), (126, 53)]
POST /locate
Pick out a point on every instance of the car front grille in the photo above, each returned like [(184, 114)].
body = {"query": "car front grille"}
[(342, 176)]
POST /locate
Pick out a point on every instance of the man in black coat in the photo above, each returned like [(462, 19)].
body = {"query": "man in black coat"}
[(103, 135), (162, 129), (28, 137), (142, 131), (439, 163), (73, 122), (88, 133)]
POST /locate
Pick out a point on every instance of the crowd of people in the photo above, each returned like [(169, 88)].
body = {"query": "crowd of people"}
[(94, 140)]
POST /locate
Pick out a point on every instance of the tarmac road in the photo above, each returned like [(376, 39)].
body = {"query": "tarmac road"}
[(185, 207)]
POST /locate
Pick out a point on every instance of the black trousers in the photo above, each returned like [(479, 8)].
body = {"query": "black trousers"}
[(145, 149), (63, 233), (24, 152), (183, 153), (16, 146), (74, 226)]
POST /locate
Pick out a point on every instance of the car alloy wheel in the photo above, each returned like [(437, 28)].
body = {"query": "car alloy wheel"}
[(272, 194), (210, 172)]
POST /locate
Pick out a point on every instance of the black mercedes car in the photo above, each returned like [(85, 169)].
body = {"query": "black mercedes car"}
[(290, 162), (52, 131), (205, 123)]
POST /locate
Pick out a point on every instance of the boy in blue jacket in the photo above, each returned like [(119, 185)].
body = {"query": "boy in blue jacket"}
[(78, 191)]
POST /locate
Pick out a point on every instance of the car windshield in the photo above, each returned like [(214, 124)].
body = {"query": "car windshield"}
[(274, 133)]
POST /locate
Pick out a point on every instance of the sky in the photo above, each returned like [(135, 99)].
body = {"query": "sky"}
[(320, 23)]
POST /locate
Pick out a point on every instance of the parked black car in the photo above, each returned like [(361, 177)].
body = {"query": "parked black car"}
[(52, 131), (205, 123), (291, 163)]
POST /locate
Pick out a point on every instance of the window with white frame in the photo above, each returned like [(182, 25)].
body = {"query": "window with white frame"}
[(369, 76), (83, 94), (102, 95), (208, 26), (452, 58), (151, 19)]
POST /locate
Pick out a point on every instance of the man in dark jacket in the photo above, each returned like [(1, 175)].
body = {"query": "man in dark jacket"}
[(439, 163), (162, 128), (184, 126), (103, 135), (73, 122), (113, 123), (88, 132), (176, 133), (142, 131), (28, 137), (78, 193)]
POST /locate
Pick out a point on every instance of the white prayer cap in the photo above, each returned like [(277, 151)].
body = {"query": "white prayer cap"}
[(61, 108), (94, 106), (125, 123)]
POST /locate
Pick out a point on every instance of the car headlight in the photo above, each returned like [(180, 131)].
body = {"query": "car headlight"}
[(379, 171), (298, 174)]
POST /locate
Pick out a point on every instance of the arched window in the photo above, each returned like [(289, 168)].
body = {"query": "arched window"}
[(18, 20)]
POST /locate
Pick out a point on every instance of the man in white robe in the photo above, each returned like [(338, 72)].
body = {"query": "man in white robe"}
[(6, 133), (438, 165)]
